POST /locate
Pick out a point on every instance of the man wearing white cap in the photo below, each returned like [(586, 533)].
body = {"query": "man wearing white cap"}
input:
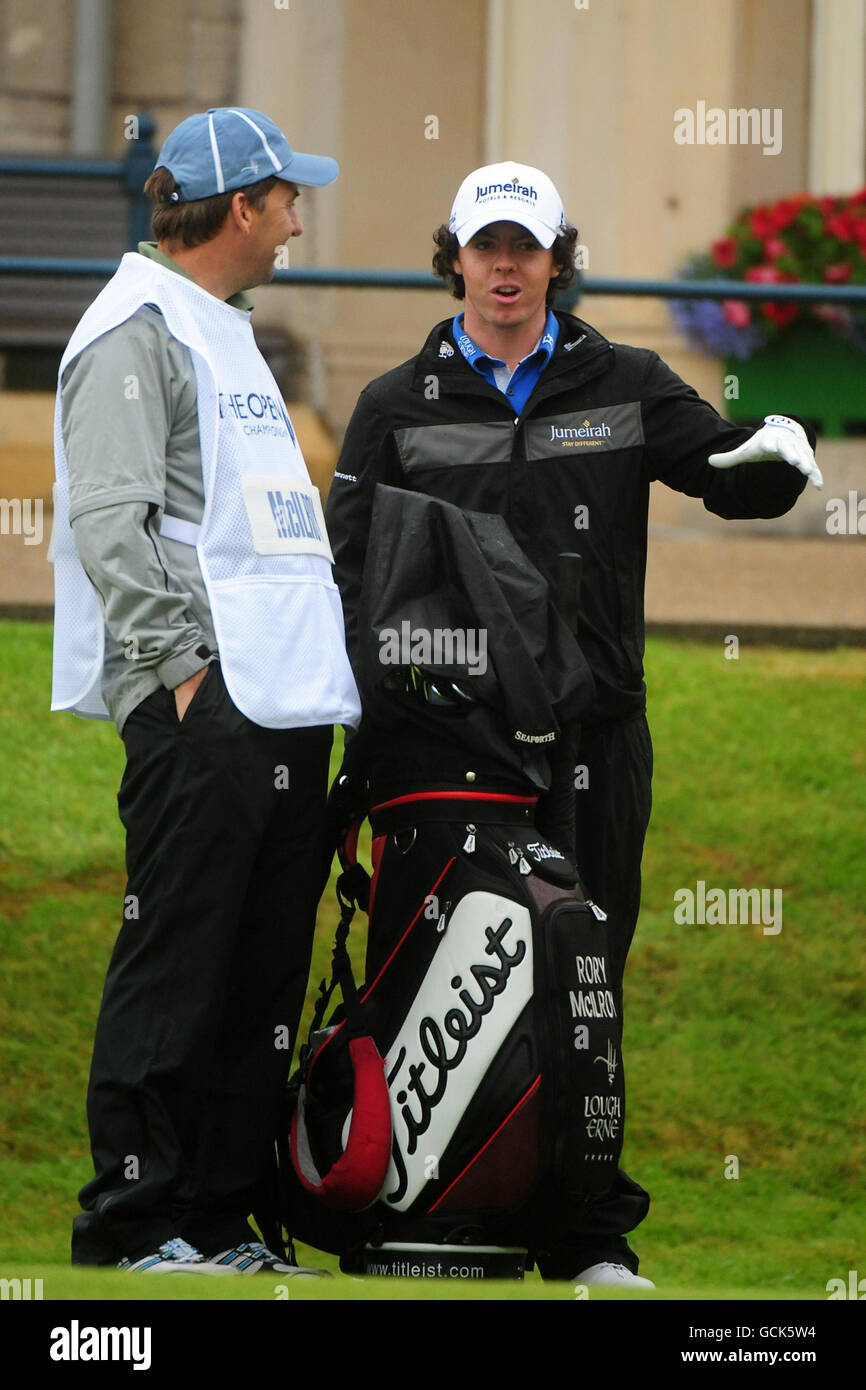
[(195, 607), (514, 408)]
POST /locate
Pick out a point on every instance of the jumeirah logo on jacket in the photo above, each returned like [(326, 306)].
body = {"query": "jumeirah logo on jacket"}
[(586, 431), (605, 428)]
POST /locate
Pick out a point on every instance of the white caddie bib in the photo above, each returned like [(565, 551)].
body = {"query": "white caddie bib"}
[(262, 545)]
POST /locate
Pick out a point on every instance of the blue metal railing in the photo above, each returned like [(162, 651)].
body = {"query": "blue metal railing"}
[(135, 168), (347, 278)]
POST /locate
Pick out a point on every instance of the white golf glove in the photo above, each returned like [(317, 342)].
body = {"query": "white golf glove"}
[(778, 438)]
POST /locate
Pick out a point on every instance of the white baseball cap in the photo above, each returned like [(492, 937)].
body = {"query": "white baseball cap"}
[(507, 193)]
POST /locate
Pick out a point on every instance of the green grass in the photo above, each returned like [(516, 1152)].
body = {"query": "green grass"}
[(737, 1043), (61, 1282)]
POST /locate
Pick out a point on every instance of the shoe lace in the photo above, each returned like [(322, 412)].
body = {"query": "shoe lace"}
[(179, 1249), (258, 1250)]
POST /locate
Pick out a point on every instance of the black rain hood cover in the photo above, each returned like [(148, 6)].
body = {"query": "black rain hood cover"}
[(460, 643)]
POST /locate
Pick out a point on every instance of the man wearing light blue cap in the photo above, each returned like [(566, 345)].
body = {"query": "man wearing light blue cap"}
[(195, 607), (229, 147)]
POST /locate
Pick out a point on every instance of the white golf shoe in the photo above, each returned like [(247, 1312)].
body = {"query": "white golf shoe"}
[(611, 1274)]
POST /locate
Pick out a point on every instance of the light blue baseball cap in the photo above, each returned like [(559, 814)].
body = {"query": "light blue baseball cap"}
[(229, 147)]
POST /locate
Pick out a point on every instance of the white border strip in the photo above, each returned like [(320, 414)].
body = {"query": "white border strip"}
[(261, 134), (218, 168)]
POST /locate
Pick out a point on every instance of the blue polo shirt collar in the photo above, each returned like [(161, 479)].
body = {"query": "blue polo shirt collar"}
[(527, 371)]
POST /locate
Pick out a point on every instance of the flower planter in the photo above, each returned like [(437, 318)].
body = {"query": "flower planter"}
[(808, 371), (786, 357)]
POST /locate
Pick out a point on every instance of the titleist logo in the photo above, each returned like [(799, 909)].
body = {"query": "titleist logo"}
[(435, 1044)]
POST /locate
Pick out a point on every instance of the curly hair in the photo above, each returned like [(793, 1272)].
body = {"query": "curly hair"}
[(449, 247), (200, 219)]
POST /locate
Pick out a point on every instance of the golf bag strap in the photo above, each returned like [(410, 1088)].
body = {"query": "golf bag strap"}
[(353, 889), (354, 1179), (416, 808)]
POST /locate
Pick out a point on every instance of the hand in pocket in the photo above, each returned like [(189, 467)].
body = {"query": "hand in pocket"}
[(184, 692)]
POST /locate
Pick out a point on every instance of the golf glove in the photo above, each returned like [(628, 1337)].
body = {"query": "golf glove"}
[(778, 438)]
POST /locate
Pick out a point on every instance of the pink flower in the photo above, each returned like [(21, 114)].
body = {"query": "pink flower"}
[(768, 220), (838, 273), (762, 222), (829, 313), (736, 312), (784, 213), (780, 314), (774, 247), (725, 252), (765, 274), (843, 226)]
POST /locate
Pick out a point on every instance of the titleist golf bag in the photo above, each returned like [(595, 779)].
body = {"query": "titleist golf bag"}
[(458, 1111)]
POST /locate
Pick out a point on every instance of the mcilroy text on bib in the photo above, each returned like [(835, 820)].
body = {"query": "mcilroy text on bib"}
[(285, 516)]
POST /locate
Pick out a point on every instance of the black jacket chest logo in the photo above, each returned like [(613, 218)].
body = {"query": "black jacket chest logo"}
[(585, 432)]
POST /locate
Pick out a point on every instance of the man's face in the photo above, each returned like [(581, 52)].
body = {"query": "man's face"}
[(272, 225), (506, 272)]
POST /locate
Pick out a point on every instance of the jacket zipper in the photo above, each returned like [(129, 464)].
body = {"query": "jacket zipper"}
[(580, 380), (518, 460)]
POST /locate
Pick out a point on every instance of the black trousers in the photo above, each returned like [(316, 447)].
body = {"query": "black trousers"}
[(613, 812), (224, 824)]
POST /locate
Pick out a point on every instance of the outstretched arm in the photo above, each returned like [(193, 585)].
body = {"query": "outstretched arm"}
[(683, 432)]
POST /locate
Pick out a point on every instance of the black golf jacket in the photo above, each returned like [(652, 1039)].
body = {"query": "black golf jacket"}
[(572, 473)]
